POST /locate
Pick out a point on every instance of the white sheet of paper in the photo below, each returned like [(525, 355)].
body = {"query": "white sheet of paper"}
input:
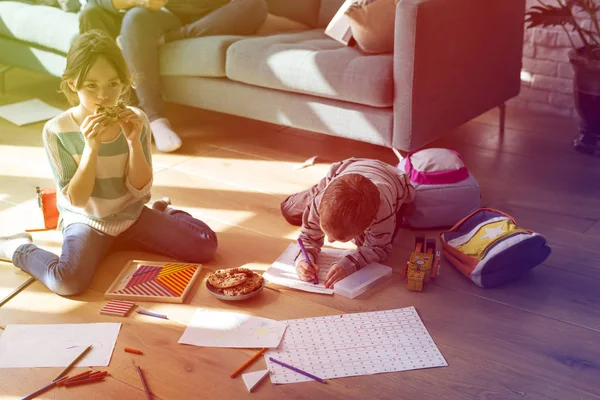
[(283, 272), (29, 111), (227, 329), (28, 346), (354, 344)]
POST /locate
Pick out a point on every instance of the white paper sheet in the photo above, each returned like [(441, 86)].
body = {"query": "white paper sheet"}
[(354, 344), (28, 346), (29, 111), (283, 271), (228, 329)]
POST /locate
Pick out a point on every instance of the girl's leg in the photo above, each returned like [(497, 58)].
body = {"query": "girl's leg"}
[(71, 273), (174, 234)]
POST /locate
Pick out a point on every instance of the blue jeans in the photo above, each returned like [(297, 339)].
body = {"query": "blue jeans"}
[(140, 29), (176, 234)]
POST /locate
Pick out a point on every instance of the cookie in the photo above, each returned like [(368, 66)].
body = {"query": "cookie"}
[(247, 287), (112, 112), (222, 279)]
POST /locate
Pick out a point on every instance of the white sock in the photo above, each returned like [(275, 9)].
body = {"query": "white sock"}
[(9, 244), (166, 140)]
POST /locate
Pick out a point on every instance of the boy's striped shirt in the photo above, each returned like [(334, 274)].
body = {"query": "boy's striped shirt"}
[(375, 243), (114, 204)]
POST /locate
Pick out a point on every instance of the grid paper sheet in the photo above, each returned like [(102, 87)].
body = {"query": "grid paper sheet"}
[(354, 344)]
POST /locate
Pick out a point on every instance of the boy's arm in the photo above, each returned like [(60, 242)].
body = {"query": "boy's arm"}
[(376, 247), (311, 234)]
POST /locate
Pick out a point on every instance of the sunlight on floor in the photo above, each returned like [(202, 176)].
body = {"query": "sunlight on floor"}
[(44, 302)]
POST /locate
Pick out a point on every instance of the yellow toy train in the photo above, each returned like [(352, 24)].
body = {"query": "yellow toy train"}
[(423, 265)]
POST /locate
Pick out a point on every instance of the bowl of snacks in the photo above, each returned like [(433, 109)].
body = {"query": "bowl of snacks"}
[(234, 284)]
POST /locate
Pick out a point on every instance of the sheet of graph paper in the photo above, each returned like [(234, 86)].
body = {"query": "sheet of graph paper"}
[(283, 271), (354, 344)]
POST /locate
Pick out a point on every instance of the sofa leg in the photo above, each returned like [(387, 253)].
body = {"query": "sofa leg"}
[(3, 70), (502, 117)]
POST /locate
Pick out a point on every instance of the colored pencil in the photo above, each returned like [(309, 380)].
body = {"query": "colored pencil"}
[(152, 314), (134, 351), (247, 363), (80, 356), (82, 375), (316, 378), (44, 389), (98, 374), (141, 374), (84, 381), (16, 291), (316, 280)]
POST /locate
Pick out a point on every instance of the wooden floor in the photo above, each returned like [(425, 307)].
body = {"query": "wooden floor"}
[(534, 339)]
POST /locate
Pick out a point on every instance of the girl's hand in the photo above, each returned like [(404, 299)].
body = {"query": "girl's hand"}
[(336, 273), (91, 128), (131, 125), (305, 271)]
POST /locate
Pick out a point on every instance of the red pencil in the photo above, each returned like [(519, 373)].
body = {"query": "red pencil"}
[(82, 375), (134, 351), (84, 381)]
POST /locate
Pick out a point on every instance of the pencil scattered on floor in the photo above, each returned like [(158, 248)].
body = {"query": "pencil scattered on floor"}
[(141, 374), (44, 389), (151, 314), (247, 363), (134, 351), (316, 378), (79, 357)]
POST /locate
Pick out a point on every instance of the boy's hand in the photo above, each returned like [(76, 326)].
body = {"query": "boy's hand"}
[(336, 273), (305, 271)]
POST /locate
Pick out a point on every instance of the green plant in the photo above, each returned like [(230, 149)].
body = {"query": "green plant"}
[(562, 15)]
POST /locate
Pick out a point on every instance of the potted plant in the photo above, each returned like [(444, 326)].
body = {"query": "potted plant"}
[(584, 57)]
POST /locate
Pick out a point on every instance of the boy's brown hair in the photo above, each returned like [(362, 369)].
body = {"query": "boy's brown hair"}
[(348, 206), (84, 52)]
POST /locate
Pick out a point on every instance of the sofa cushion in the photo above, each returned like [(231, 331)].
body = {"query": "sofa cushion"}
[(309, 62), (45, 26), (201, 56)]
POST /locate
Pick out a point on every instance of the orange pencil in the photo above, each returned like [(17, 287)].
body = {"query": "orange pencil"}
[(247, 363), (84, 381), (98, 374), (75, 377), (134, 351)]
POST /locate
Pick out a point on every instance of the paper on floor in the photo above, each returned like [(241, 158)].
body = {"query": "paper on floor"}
[(28, 112), (28, 346), (283, 272), (229, 329)]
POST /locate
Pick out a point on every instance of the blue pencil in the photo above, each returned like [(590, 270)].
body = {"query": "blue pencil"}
[(316, 281), (152, 314), (316, 378)]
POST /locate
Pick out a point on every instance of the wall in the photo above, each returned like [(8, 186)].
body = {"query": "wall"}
[(547, 75)]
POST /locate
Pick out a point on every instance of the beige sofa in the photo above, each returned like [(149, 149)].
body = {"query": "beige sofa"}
[(453, 60)]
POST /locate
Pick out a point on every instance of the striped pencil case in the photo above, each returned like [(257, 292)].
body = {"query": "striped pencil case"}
[(489, 248)]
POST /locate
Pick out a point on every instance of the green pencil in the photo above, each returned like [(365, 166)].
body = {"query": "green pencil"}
[(79, 357)]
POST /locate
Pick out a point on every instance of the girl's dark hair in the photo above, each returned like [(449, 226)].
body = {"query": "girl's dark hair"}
[(84, 52)]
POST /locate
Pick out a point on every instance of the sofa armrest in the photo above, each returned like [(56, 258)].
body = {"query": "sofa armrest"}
[(453, 60)]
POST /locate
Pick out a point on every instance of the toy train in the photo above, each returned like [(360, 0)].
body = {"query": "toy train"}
[(423, 265)]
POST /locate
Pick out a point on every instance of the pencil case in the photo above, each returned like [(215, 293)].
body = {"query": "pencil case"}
[(490, 249)]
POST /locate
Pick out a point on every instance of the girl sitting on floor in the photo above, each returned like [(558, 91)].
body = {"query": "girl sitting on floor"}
[(102, 166)]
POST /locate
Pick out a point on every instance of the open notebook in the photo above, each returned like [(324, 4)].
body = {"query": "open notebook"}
[(283, 272)]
